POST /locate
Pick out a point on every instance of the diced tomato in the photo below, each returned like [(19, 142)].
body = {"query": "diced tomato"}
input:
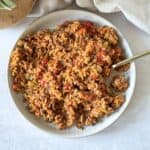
[(94, 77), (88, 96), (81, 31), (67, 87), (87, 24), (44, 62), (70, 106), (15, 87), (100, 55), (42, 82)]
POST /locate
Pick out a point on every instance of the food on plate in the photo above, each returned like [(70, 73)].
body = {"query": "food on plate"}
[(63, 74), (120, 83)]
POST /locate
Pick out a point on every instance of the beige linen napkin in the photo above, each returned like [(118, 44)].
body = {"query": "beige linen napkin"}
[(136, 11)]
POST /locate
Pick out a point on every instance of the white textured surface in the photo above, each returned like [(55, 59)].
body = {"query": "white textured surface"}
[(130, 132)]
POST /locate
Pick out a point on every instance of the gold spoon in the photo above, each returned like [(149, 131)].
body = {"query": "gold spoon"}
[(131, 59)]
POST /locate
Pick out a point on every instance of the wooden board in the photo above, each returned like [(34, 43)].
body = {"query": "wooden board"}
[(8, 18)]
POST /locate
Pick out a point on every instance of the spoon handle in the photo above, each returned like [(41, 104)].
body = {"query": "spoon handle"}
[(128, 60)]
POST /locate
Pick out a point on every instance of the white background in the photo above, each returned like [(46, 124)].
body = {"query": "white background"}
[(131, 131)]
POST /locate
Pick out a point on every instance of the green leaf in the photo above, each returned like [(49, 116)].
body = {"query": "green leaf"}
[(7, 4)]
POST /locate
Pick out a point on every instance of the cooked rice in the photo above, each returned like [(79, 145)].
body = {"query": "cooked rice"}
[(62, 74)]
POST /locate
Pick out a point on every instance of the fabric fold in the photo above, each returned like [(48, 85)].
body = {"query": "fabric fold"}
[(136, 11)]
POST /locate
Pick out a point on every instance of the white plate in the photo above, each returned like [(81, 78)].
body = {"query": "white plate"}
[(52, 20)]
